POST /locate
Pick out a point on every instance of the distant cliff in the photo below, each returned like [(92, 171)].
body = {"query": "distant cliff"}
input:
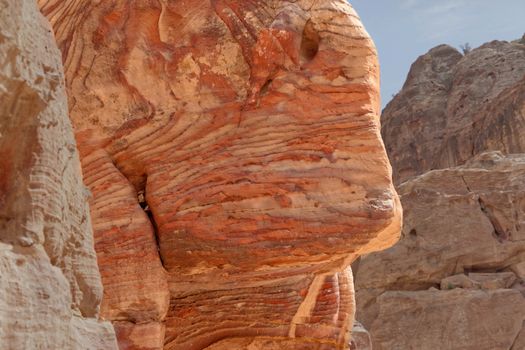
[(455, 106)]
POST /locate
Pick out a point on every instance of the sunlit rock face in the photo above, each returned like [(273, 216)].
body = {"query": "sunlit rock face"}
[(50, 287), (455, 279), (236, 165), (453, 107)]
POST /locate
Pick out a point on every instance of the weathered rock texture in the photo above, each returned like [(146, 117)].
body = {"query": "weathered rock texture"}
[(450, 282), (50, 288), (455, 280), (360, 338), (248, 133), (453, 107)]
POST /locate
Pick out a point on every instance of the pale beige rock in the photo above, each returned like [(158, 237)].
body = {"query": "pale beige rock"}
[(465, 220), (463, 226), (360, 338), (50, 287), (458, 319)]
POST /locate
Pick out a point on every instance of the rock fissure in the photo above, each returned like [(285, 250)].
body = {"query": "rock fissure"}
[(498, 233), (141, 196)]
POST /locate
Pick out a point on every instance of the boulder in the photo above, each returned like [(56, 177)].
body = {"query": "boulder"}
[(467, 221), (50, 287)]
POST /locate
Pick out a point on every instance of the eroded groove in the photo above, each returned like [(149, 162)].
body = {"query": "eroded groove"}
[(498, 233)]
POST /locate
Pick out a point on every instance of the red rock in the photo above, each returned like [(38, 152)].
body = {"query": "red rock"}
[(251, 129)]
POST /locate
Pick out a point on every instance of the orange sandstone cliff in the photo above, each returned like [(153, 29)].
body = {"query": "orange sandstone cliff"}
[(234, 156)]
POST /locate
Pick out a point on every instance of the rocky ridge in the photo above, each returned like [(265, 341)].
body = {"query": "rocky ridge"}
[(455, 278), (453, 107)]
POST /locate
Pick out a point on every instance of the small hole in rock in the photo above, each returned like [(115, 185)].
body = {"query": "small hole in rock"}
[(413, 233), (309, 43)]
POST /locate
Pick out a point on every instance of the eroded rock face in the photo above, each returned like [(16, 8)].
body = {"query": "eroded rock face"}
[(457, 320), (453, 107), (50, 288), (360, 338), (234, 156), (451, 276)]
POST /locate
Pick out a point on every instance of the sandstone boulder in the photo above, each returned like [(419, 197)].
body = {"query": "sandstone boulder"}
[(50, 288), (453, 107), (236, 165), (468, 221)]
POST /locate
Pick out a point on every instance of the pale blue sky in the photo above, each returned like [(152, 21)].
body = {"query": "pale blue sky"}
[(406, 29)]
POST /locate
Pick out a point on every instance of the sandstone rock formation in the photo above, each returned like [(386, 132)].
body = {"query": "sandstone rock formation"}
[(360, 338), (453, 107), (236, 165), (450, 282), (458, 319), (50, 287), (455, 280)]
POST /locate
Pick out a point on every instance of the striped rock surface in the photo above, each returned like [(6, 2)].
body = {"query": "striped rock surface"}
[(236, 165)]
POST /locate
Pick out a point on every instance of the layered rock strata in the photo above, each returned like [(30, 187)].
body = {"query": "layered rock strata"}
[(453, 107), (454, 280), (50, 287), (236, 165)]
